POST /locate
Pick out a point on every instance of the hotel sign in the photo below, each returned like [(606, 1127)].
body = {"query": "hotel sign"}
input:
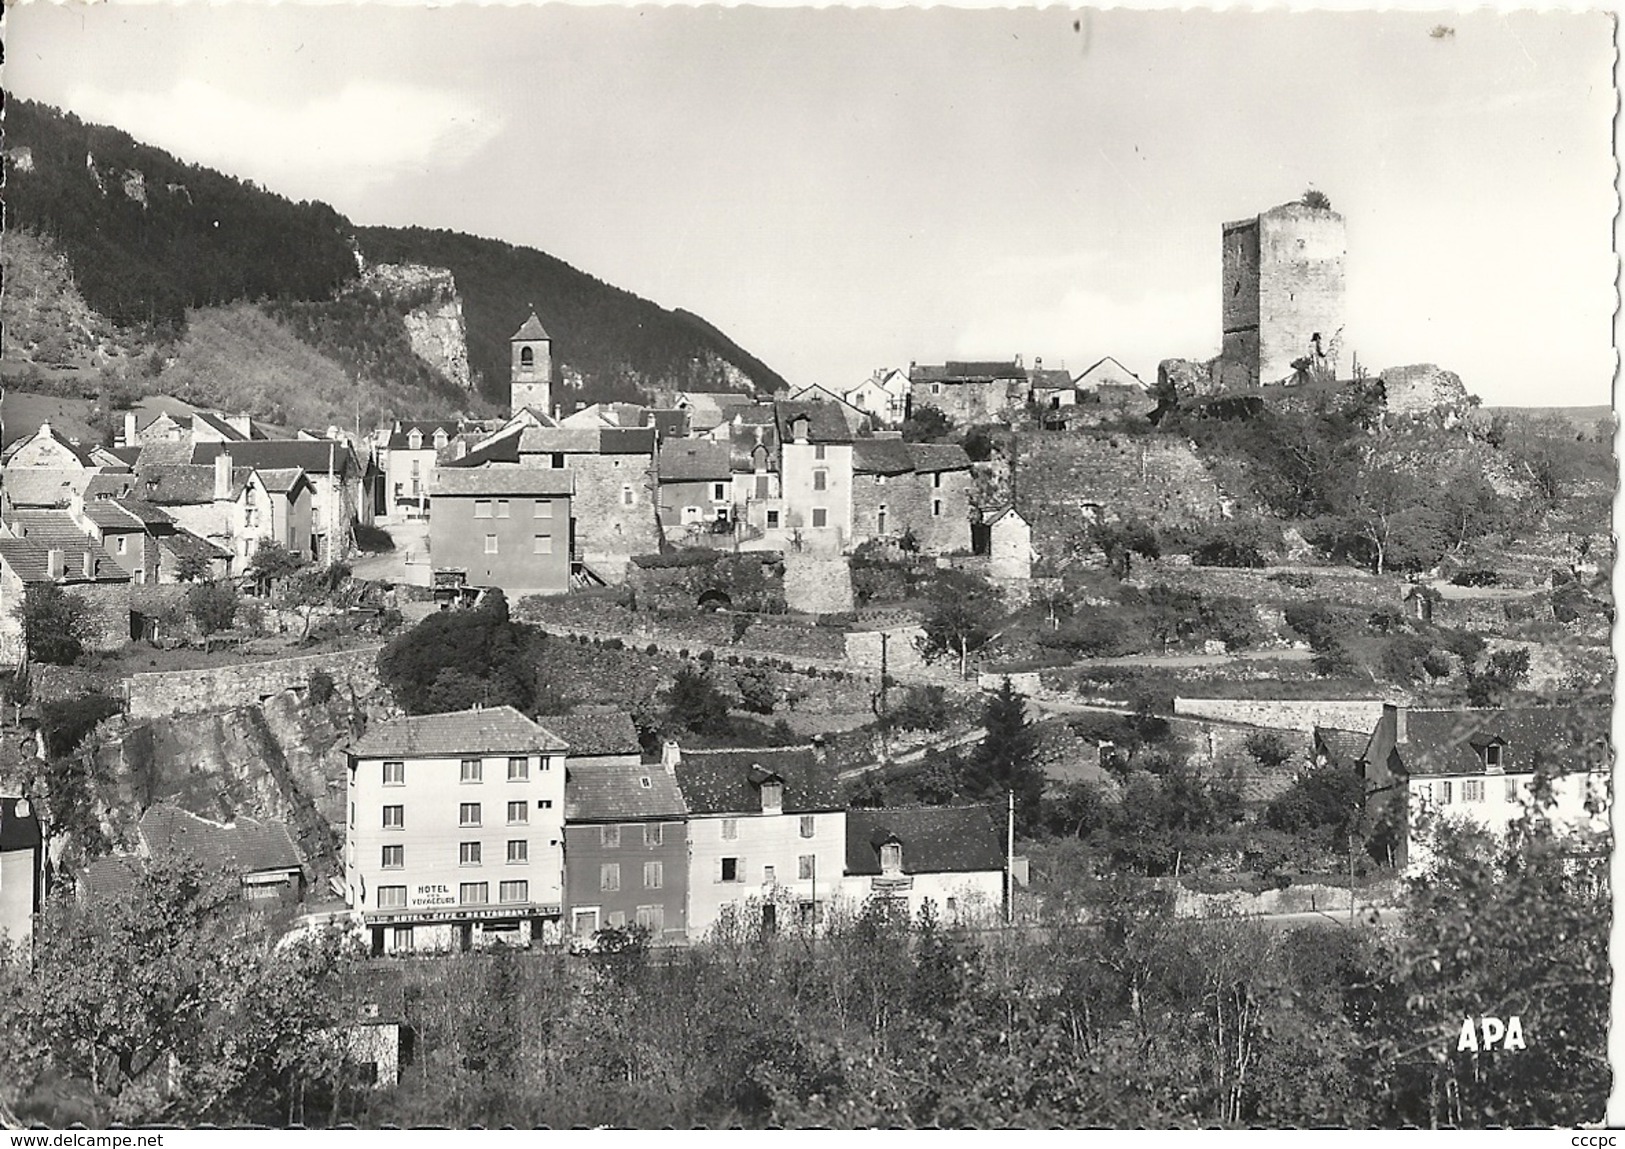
[(432, 894), (469, 914)]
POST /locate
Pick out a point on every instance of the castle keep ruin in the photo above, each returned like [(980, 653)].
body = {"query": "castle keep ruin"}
[(1283, 296)]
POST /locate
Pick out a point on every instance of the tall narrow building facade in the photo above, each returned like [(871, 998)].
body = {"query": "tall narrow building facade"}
[(531, 372), (1283, 286)]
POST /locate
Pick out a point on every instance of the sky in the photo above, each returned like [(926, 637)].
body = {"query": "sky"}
[(841, 190)]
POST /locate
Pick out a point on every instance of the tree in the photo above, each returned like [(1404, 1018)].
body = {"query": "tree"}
[(957, 625), (1503, 673), (694, 703), (758, 689), (1006, 760), (272, 562), (192, 568), (483, 655), (212, 605), (54, 624), (1386, 515), (926, 425), (1123, 539), (1316, 199)]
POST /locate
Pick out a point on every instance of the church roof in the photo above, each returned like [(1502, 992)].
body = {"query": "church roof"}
[(531, 329)]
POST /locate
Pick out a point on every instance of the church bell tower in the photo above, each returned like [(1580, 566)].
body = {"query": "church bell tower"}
[(531, 376)]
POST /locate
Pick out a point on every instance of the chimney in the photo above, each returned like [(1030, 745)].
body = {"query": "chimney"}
[(222, 475), (670, 754), (56, 563), (462, 448), (332, 433), (1401, 733), (90, 564), (129, 428), (241, 424), (558, 411)]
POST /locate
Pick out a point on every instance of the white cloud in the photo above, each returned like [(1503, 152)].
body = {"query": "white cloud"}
[(330, 146)]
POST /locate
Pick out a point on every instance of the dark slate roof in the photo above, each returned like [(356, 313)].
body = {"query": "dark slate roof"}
[(109, 516), (960, 371), (1559, 739), (18, 831), (504, 448), (313, 456), (881, 457), (246, 846), (553, 440), (231, 433), (530, 329), (185, 484), (1342, 747), (492, 730), (935, 839), (694, 460), (111, 485), (729, 781), (595, 732), (182, 544), (549, 482), (1050, 380), (125, 455), (402, 440), (930, 457), (110, 877), (149, 514), (626, 441), (611, 792), (825, 424), (280, 480)]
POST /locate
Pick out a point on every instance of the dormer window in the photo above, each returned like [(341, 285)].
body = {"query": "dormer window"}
[(415, 440), (798, 429), (772, 797), (891, 859), (440, 438), (1493, 756)]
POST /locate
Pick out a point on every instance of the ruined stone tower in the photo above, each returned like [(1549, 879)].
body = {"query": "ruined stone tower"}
[(531, 375), (1283, 294)]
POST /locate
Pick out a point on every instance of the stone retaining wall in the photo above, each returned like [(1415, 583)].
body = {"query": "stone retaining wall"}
[(153, 695), (1286, 714)]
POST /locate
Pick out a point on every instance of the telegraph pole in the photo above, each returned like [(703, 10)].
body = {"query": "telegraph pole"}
[(1010, 859)]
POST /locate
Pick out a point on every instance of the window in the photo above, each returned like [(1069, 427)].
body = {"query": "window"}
[(772, 519), (491, 545), (541, 545), (880, 480), (544, 509), (880, 520), (936, 479), (401, 939), (473, 893), (818, 452), (394, 858), (730, 829), (1472, 790), (391, 897), (544, 763), (1512, 789), (936, 508), (527, 357), (651, 833), (616, 919), (761, 486), (719, 492), (558, 460), (518, 814), (609, 877), (730, 869), (544, 803), (1492, 757), (472, 770), (807, 867), (806, 825), (936, 388), (609, 837), (820, 517), (1444, 793), (772, 797), (953, 907), (502, 508), (468, 853), (626, 495), (482, 508), (511, 892), (468, 814), (518, 852), (891, 858), (653, 875), (394, 817), (394, 773), (415, 442), (518, 769), (652, 918), (119, 543), (769, 875), (820, 480), (352, 815)]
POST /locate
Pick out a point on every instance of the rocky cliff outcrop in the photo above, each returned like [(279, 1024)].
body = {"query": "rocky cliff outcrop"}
[(1424, 389), (433, 314)]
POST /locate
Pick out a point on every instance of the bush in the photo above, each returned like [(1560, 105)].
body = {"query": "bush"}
[(1097, 634), (372, 540), (670, 560), (212, 606), (922, 708), (1298, 580), (1322, 623), (320, 687), (54, 623), (1404, 659), (758, 690), (65, 723), (1437, 663), (1480, 576)]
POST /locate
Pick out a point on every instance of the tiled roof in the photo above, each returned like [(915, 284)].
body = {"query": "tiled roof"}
[(1342, 747), (246, 846), (935, 839), (608, 792), (18, 831), (402, 440), (595, 732), (825, 423), (502, 448), (552, 440), (209, 418), (125, 455), (49, 528), (280, 480), (313, 456), (626, 441), (881, 457), (109, 516), (184, 544), (30, 561), (691, 460), (1050, 380), (959, 371), (1558, 739), (502, 480), (530, 329), (150, 515), (184, 484), (110, 877), (729, 781), (930, 457), (163, 451), (492, 730), (1109, 372), (111, 485)]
